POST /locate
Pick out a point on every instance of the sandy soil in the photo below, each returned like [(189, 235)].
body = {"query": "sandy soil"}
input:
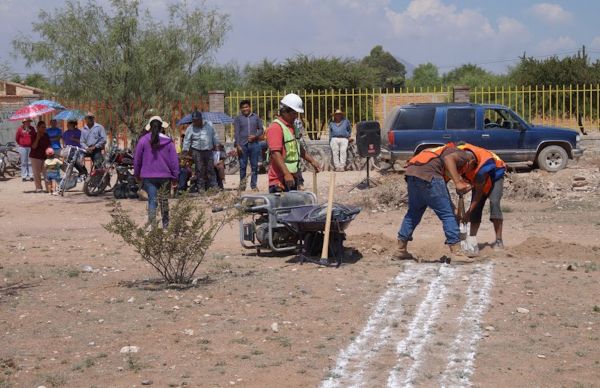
[(371, 322)]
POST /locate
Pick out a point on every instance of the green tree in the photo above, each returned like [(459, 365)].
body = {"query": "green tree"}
[(391, 72), (471, 75), (37, 80), (6, 72), (575, 69), (425, 75), (307, 73), (120, 55)]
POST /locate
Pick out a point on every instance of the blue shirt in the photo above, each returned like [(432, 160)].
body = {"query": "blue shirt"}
[(341, 129), (93, 137), (72, 137), (245, 126), (55, 135), (489, 169)]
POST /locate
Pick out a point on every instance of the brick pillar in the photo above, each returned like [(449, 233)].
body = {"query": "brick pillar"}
[(461, 94), (216, 103)]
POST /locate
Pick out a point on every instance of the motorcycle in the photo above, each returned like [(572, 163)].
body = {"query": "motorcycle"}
[(99, 179), (73, 157), (126, 186)]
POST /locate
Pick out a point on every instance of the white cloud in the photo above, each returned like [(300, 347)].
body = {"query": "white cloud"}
[(434, 20), (556, 45), (551, 13), (595, 43)]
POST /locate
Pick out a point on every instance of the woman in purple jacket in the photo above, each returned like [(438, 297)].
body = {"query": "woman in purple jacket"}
[(156, 163)]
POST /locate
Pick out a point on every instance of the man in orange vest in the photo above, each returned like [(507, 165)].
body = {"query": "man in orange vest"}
[(426, 177), (487, 179)]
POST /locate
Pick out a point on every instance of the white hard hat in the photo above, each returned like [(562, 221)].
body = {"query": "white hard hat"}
[(293, 101)]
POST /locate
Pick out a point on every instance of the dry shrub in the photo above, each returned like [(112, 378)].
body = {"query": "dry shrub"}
[(177, 251)]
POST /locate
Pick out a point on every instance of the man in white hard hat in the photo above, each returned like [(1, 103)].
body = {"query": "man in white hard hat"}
[(285, 150)]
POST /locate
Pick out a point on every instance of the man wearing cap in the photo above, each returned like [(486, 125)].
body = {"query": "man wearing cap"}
[(340, 130), (24, 138), (200, 140), (284, 149), (93, 139), (248, 128)]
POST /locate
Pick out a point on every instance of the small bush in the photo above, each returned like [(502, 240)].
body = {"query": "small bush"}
[(177, 251)]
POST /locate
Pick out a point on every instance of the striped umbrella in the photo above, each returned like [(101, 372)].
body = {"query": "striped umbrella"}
[(30, 112)]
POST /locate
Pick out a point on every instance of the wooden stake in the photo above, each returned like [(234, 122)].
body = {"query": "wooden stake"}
[(314, 186), (325, 251)]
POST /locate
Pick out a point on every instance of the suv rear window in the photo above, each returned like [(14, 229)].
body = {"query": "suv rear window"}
[(414, 118), (460, 119)]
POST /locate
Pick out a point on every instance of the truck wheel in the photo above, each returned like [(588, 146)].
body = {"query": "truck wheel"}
[(552, 158)]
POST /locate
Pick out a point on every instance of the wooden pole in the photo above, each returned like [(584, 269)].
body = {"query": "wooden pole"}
[(325, 251)]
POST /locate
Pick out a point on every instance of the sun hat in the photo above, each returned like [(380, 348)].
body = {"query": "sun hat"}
[(90, 114), (49, 151), (158, 118), (338, 112)]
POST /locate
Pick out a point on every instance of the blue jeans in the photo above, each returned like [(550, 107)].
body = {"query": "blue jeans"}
[(26, 171), (250, 151), (158, 191), (434, 194)]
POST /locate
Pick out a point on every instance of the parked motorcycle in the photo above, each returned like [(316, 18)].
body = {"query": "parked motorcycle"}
[(126, 186), (10, 160), (99, 179), (73, 157)]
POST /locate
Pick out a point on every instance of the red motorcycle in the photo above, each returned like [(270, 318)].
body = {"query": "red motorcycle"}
[(99, 179)]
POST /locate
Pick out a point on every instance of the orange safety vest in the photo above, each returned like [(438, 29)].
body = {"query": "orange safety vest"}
[(427, 155), (482, 156)]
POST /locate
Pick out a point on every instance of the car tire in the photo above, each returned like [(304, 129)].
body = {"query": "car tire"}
[(552, 158)]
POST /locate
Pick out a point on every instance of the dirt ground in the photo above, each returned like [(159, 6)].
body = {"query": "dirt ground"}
[(525, 316)]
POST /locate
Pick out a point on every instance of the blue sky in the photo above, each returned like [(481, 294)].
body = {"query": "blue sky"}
[(445, 32)]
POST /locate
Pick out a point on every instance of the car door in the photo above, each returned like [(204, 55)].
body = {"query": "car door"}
[(505, 134), (461, 125)]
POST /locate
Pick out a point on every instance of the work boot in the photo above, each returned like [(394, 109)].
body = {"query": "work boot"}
[(401, 252), (458, 255)]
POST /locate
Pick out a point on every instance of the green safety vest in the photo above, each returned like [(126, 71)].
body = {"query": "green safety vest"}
[(292, 148)]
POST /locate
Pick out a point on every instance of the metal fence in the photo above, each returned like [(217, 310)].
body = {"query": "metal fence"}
[(569, 106), (564, 106), (319, 105)]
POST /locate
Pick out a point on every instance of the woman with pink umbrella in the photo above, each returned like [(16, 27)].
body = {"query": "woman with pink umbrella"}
[(38, 141)]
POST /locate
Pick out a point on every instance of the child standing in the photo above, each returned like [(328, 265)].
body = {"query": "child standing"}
[(52, 171)]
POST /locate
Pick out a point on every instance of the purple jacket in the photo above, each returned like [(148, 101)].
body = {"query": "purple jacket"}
[(159, 163)]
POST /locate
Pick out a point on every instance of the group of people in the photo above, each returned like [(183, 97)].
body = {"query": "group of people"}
[(40, 147), (160, 167), (251, 139)]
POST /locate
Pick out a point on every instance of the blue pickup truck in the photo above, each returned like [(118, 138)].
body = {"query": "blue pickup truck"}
[(411, 128)]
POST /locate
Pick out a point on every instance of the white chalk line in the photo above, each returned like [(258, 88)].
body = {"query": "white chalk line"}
[(461, 359), (376, 330), (411, 347)]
